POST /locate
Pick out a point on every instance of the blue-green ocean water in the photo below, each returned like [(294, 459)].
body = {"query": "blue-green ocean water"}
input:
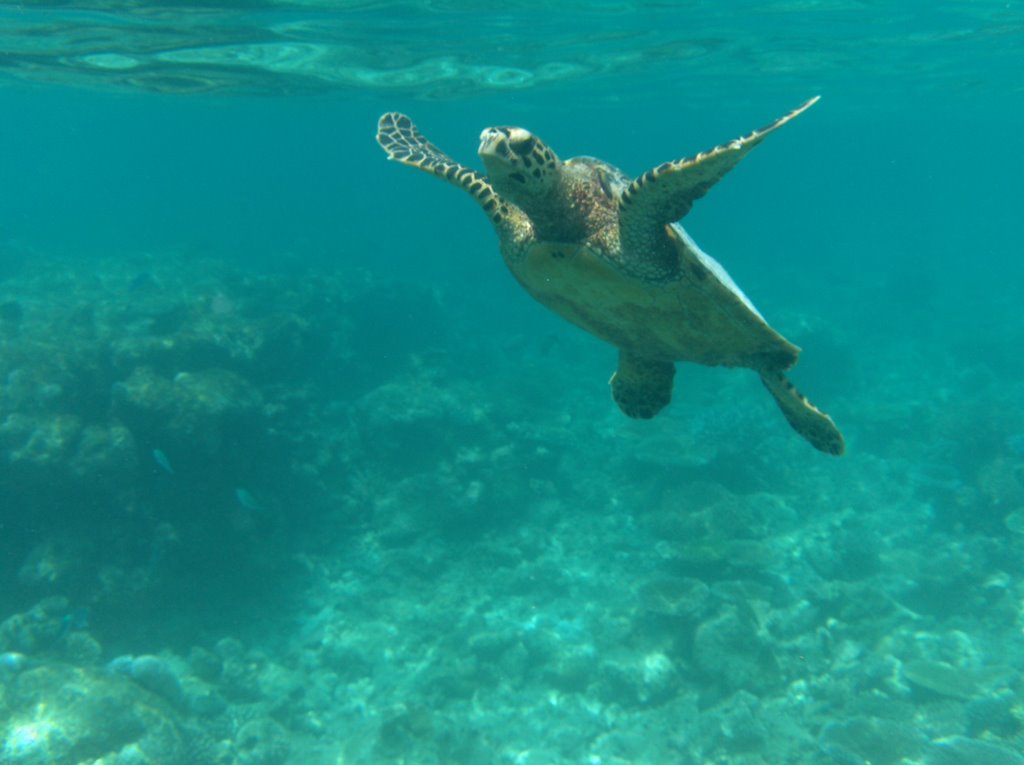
[(289, 457)]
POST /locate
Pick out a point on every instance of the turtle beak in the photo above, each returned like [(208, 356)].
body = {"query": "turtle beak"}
[(493, 143)]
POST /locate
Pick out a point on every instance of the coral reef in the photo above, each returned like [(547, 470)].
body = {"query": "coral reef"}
[(240, 528)]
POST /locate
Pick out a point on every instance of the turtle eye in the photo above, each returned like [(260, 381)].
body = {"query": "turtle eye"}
[(522, 145)]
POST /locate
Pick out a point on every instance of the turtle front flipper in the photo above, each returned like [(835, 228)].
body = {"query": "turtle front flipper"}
[(642, 387), (806, 419), (665, 194), (404, 143)]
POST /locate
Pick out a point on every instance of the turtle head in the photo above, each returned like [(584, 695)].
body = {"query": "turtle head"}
[(519, 165)]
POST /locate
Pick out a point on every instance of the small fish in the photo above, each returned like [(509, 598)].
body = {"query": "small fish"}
[(1015, 444), (246, 500), (142, 280), (161, 459), (841, 755), (1015, 521), (221, 304), (120, 665), (12, 661), (934, 476), (548, 343), (74, 621)]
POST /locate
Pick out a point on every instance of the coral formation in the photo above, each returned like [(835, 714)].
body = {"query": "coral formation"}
[(238, 531)]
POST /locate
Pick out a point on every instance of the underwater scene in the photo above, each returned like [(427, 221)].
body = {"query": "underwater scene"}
[(309, 457)]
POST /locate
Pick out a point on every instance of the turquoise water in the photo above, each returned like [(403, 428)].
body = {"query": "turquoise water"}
[(293, 471)]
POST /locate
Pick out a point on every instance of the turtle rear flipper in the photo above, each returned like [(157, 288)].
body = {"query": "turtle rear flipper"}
[(806, 419), (403, 142), (642, 387), (666, 193)]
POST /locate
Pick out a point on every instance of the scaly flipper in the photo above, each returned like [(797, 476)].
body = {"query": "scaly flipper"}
[(806, 419), (665, 194), (404, 143)]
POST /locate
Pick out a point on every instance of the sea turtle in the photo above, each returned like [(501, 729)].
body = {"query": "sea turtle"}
[(605, 252)]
